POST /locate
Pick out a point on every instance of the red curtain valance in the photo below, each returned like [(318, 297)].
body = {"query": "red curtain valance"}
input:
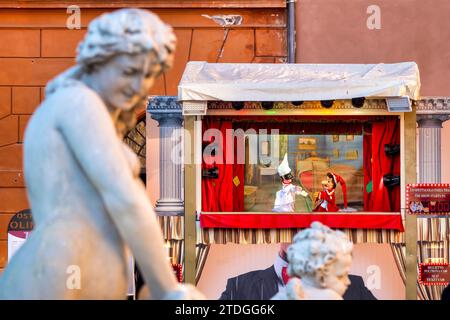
[(352, 125), (291, 220)]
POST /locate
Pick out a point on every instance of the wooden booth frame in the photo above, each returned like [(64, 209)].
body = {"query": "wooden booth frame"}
[(375, 107)]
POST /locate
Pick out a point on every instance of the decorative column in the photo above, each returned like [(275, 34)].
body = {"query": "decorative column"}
[(431, 113), (168, 112)]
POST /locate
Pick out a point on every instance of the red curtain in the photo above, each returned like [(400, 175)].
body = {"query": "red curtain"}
[(238, 174), (225, 194), (367, 164), (384, 199)]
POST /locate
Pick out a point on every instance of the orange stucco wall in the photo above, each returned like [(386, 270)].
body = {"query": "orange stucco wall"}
[(36, 46), (335, 31)]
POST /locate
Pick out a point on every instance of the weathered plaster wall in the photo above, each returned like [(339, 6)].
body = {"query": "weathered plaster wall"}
[(335, 31)]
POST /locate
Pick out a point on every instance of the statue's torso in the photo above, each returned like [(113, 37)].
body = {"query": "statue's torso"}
[(72, 225)]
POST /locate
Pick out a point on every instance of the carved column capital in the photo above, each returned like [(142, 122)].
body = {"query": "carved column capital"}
[(166, 110), (432, 105), (169, 119), (431, 120), (432, 111)]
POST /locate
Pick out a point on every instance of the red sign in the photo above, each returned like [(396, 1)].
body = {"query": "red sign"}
[(428, 198), (434, 273), (21, 224)]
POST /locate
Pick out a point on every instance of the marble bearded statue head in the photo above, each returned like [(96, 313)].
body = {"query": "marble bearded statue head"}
[(321, 257), (122, 54)]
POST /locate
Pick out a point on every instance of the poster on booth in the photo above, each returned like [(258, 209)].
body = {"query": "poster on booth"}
[(434, 273), (428, 198), (19, 229)]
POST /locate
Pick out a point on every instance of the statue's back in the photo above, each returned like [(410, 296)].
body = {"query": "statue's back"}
[(73, 230)]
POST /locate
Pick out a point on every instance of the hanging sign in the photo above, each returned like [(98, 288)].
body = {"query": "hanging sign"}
[(434, 273), (428, 198), (19, 229)]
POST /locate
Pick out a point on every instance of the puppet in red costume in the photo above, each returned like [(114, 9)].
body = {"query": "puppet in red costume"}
[(326, 199)]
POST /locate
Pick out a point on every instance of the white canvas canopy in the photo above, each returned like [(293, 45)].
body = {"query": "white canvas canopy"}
[(204, 81)]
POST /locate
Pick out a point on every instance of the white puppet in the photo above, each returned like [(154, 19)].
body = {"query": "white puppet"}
[(319, 262), (285, 197)]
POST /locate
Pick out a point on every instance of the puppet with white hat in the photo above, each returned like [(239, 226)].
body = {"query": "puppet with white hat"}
[(285, 198)]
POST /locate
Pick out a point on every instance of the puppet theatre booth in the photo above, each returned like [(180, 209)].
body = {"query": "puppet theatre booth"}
[(270, 148)]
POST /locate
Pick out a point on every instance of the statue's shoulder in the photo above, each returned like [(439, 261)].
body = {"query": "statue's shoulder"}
[(72, 89), (73, 95)]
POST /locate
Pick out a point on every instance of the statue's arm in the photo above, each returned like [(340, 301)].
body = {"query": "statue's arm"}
[(89, 132)]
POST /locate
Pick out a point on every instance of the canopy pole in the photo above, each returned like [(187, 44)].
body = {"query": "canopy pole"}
[(189, 200), (410, 220), (291, 30)]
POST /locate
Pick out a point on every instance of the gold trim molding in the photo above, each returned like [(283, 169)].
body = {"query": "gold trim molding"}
[(369, 104)]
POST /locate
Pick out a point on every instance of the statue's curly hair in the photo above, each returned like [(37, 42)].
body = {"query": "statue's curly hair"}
[(314, 249), (130, 31), (125, 31)]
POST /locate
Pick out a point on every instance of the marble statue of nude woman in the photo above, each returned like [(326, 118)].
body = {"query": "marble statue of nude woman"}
[(82, 180)]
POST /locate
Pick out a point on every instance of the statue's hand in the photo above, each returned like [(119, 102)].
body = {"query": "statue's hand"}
[(185, 292)]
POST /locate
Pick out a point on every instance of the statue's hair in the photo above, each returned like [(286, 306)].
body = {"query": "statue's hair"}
[(130, 31), (125, 31), (315, 248)]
